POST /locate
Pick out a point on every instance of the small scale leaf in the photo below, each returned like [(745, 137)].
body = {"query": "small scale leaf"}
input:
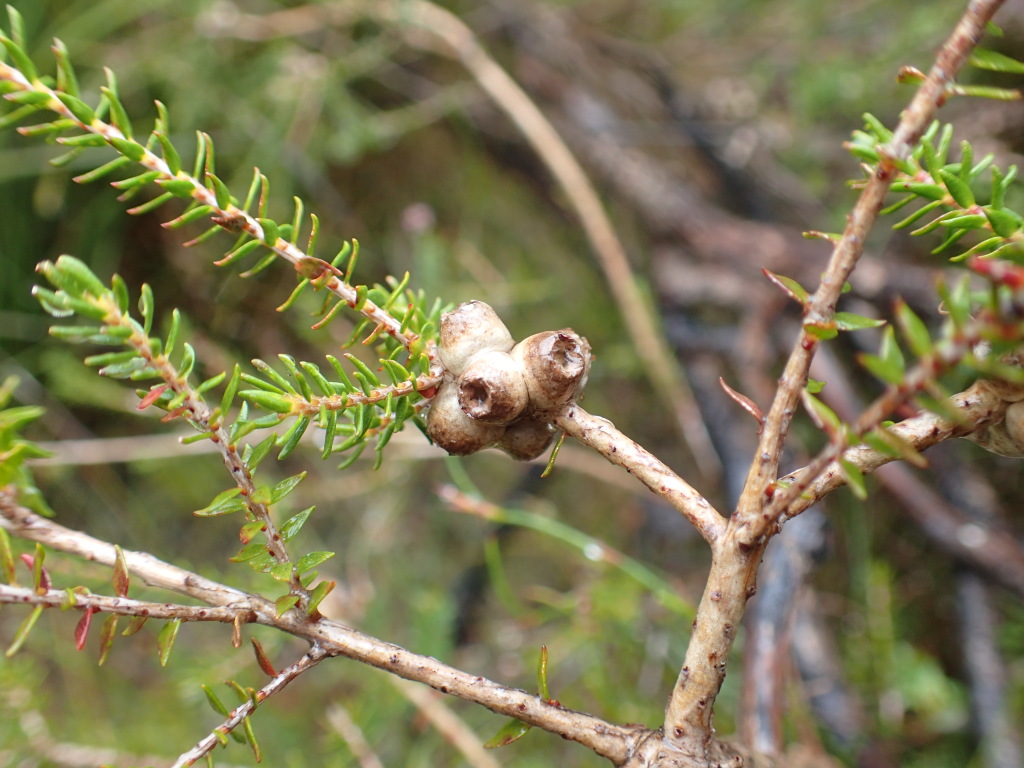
[(285, 604), (891, 352), (958, 189), (512, 731), (281, 571), (312, 560), (317, 595), (1004, 223), (824, 417), (847, 321), (223, 503), (854, 478), (178, 187), (968, 222), (107, 635), (214, 701), (18, 55), (220, 191), (118, 115), (294, 524), (121, 577), (914, 329), (921, 189), (82, 627), (260, 452), (170, 153), (268, 401), (188, 361), (24, 630), (250, 737), (993, 61), (290, 439), (743, 401), (821, 331), (165, 640), (6, 557), (270, 230), (814, 386), (135, 623), (261, 658), (542, 673), (249, 551), (250, 530)]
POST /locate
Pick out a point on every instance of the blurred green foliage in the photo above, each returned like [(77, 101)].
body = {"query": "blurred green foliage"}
[(380, 142)]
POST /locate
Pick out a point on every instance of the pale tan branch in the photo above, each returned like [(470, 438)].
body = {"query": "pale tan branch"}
[(25, 524)]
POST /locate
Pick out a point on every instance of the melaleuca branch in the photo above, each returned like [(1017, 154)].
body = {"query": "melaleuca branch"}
[(606, 739), (820, 308), (737, 555), (962, 338)]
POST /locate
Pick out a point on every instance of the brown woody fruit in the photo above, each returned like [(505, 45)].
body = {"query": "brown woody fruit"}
[(526, 439), (450, 428), (492, 388), (467, 330), (555, 365), (1015, 425)]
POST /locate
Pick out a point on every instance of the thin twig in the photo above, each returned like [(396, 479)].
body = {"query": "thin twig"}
[(230, 216), (973, 408), (122, 606), (601, 435)]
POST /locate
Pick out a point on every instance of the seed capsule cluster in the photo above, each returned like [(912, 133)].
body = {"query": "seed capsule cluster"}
[(496, 392), (1006, 437)]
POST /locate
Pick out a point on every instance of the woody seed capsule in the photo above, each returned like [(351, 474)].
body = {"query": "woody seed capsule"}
[(470, 328), (526, 439), (555, 365), (450, 428), (492, 389)]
